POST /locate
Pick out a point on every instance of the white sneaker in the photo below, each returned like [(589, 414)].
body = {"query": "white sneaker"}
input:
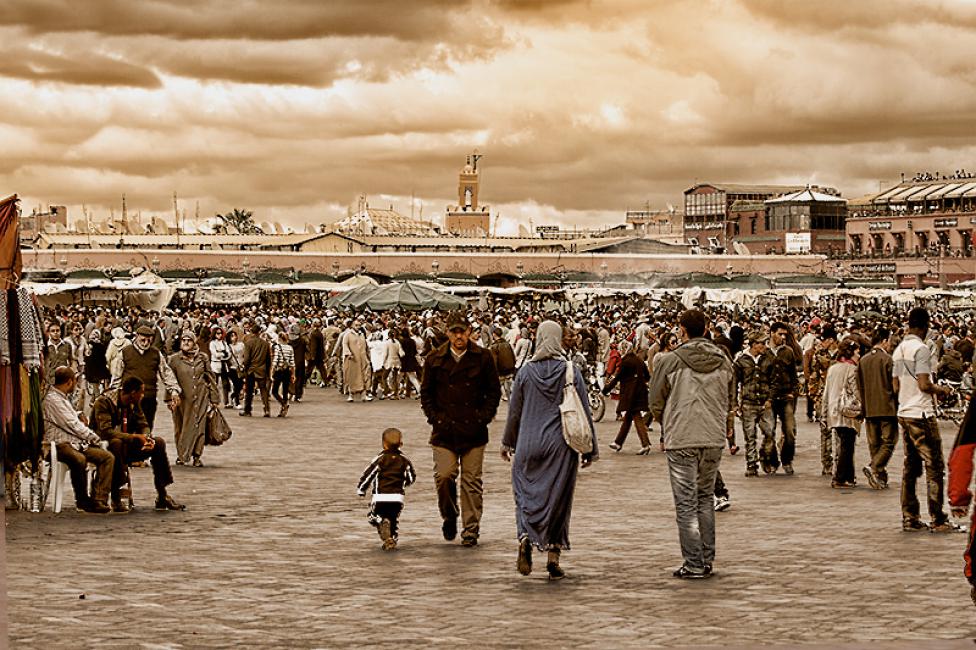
[(614, 446), (349, 399), (722, 504)]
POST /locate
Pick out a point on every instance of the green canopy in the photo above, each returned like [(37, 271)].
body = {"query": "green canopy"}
[(405, 295)]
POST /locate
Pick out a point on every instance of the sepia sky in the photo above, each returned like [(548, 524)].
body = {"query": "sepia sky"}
[(582, 109)]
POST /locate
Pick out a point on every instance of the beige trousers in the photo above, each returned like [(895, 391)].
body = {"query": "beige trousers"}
[(447, 466)]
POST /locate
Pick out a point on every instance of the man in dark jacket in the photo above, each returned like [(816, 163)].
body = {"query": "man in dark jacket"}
[(118, 418), (752, 368), (785, 384), (299, 343), (257, 363), (880, 406), (316, 353), (459, 394)]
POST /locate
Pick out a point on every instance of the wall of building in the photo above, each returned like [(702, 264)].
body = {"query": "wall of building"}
[(912, 233), (395, 263)]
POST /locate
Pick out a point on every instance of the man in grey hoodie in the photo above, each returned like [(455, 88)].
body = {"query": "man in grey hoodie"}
[(691, 394)]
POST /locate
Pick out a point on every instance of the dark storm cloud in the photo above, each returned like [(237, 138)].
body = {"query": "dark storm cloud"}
[(863, 15), (235, 19), (89, 69), (581, 107)]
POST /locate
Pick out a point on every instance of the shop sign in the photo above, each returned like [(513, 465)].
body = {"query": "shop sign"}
[(797, 242), (877, 267), (879, 225), (945, 223)]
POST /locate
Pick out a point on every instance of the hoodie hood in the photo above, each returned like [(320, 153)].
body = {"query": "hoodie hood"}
[(701, 355), (549, 375)]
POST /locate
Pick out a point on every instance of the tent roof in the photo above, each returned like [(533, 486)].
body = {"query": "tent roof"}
[(405, 295)]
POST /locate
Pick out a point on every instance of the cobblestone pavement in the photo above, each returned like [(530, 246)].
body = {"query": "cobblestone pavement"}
[(274, 551)]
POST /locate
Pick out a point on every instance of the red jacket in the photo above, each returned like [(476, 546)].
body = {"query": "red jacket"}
[(961, 459)]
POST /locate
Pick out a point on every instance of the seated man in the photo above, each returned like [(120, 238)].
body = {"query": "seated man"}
[(951, 368), (118, 418), (76, 444)]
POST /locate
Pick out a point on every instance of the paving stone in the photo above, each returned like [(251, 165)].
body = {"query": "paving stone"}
[(274, 551)]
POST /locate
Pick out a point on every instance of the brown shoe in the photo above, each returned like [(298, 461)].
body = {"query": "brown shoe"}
[(97, 508), (120, 508), (168, 503), (524, 562)]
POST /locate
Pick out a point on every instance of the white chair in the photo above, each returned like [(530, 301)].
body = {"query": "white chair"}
[(58, 473)]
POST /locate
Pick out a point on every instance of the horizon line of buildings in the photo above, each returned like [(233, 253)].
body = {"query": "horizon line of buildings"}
[(928, 214)]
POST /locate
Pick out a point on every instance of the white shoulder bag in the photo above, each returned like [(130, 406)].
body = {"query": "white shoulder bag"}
[(576, 425)]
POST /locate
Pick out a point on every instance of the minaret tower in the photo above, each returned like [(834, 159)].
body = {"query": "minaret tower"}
[(468, 217)]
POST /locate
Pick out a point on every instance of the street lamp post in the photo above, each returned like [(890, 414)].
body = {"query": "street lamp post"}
[(155, 264), (603, 271)]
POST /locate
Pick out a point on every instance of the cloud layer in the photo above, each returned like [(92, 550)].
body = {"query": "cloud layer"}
[(582, 109)]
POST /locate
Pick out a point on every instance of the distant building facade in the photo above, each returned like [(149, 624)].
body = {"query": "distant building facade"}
[(377, 221), (708, 222), (801, 222), (55, 219), (915, 218)]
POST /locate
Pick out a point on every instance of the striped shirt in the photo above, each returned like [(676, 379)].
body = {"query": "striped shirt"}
[(283, 357), (61, 422)]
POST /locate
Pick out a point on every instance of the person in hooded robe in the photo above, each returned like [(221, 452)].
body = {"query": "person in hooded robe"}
[(355, 363), (200, 394), (544, 467)]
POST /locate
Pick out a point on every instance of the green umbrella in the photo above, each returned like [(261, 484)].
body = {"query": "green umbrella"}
[(866, 314)]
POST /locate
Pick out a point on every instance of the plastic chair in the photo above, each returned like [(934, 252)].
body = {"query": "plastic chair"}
[(58, 473)]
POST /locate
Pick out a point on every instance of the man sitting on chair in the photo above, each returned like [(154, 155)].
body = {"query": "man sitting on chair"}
[(118, 418), (76, 444)]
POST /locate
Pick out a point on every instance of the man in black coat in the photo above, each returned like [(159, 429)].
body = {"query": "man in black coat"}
[(459, 394), (315, 352)]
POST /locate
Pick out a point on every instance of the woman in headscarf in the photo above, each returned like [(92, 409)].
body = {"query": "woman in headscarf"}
[(200, 395), (113, 353), (544, 467), (632, 377)]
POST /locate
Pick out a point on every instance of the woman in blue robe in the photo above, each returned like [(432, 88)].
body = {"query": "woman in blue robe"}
[(544, 467)]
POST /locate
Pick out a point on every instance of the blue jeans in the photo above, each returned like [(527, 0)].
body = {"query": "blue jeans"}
[(692, 474)]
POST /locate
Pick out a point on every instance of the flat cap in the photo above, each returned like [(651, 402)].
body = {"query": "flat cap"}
[(457, 319)]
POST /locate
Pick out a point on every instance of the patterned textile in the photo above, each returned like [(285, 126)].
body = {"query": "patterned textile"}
[(4, 329), (30, 329), (10, 256)]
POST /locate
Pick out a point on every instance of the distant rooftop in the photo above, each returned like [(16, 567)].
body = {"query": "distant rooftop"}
[(806, 195)]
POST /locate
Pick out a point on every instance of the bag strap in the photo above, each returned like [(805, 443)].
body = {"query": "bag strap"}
[(570, 378)]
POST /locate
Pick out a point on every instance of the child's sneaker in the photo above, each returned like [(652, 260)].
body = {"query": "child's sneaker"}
[(389, 542)]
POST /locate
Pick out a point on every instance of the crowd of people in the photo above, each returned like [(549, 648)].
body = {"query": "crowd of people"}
[(738, 371)]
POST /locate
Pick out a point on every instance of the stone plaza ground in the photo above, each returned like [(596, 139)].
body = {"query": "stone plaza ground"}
[(274, 551)]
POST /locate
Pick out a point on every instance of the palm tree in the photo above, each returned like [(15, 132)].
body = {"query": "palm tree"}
[(241, 220)]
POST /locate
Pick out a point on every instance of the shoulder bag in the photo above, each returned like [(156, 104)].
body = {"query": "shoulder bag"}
[(577, 431)]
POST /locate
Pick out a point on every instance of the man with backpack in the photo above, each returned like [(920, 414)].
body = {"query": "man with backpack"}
[(504, 361)]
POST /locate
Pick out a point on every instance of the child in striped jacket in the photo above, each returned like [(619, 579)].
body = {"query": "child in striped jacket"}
[(388, 474)]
